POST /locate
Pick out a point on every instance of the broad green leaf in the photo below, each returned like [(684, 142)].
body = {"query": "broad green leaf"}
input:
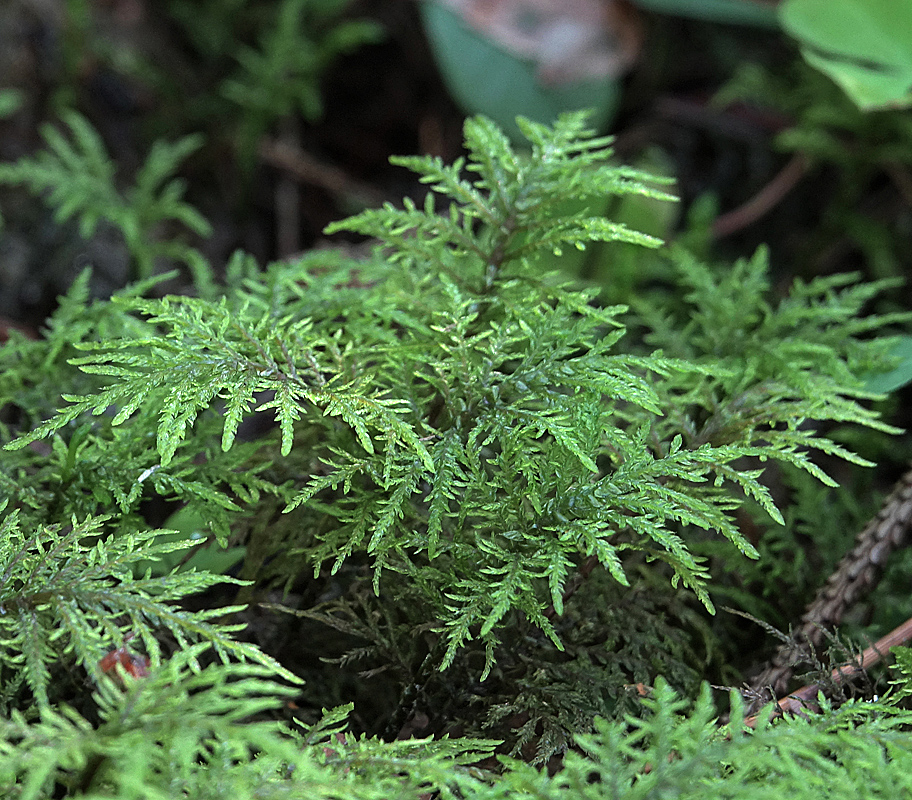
[(863, 45), (485, 79), (897, 377)]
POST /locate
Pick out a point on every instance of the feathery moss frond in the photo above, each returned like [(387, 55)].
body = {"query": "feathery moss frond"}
[(446, 411), (75, 592)]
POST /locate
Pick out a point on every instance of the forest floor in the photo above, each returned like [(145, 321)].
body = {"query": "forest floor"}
[(388, 98)]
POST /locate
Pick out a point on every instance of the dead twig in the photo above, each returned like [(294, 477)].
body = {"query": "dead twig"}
[(803, 699), (304, 167), (764, 201), (857, 574)]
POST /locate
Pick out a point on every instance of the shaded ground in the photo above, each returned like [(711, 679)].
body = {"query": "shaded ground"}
[(384, 98)]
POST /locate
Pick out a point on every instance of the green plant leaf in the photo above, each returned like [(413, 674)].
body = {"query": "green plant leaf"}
[(737, 12), (900, 375), (865, 46), (486, 79)]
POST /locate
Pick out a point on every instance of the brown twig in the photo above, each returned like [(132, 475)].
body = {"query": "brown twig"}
[(764, 201), (288, 195), (803, 698), (304, 167), (857, 574)]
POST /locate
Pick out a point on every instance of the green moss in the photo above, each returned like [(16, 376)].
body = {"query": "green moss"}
[(492, 494)]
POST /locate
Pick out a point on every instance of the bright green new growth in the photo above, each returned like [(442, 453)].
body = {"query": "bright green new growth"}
[(481, 435), (450, 414), (75, 592), (202, 734)]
